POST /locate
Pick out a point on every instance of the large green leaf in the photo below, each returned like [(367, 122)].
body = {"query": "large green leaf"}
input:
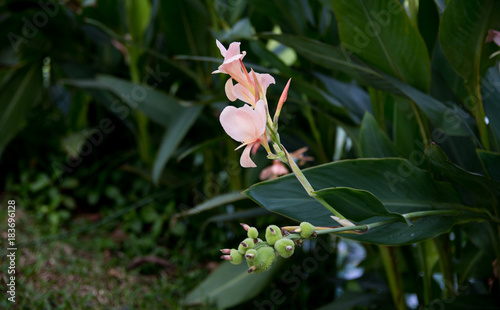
[(450, 119), (491, 163), (484, 192), (18, 95), (374, 142), (400, 186), (157, 105), (355, 205), (381, 34), (173, 136), (464, 26), (229, 286)]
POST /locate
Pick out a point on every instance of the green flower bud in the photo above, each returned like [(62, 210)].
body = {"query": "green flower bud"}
[(253, 233), (263, 261), (245, 245), (306, 229), (251, 255), (273, 234), (285, 247), (236, 257)]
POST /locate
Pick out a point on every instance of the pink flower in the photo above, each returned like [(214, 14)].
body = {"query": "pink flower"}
[(245, 125), (273, 171), (239, 91), (494, 36), (233, 65)]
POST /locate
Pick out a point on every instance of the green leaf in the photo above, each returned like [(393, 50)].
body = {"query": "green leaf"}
[(214, 202), (490, 92), (381, 34), (21, 92), (229, 286), (177, 130), (356, 205), (400, 186), (374, 142), (157, 105), (450, 119), (485, 192), (463, 29), (491, 163)]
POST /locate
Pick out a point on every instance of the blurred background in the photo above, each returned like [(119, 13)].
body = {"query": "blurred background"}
[(125, 183)]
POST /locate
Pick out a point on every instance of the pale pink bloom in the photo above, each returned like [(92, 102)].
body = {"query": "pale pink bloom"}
[(232, 64), (245, 125), (240, 91), (273, 171), (494, 36)]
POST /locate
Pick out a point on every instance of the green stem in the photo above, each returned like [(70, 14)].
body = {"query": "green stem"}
[(393, 276), (410, 216), (442, 244), (480, 118), (423, 254), (307, 186), (421, 125)]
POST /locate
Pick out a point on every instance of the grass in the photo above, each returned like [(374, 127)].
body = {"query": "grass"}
[(87, 272)]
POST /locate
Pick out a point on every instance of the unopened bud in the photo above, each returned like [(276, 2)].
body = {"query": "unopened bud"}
[(285, 247), (273, 234), (226, 251), (236, 258), (251, 254), (306, 229), (226, 257), (245, 226)]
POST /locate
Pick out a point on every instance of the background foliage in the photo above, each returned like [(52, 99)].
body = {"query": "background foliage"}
[(110, 144)]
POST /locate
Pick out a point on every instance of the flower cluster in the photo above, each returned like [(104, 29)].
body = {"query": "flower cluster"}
[(259, 254), (251, 124)]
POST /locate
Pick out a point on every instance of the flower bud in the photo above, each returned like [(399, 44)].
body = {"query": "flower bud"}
[(306, 229), (251, 255), (263, 260), (253, 233), (285, 247), (236, 257), (245, 226), (245, 245), (225, 251), (273, 234)]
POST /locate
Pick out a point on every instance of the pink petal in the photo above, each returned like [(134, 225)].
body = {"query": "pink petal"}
[(221, 47), (260, 118), (229, 90), (265, 80), (243, 94), (493, 35), (233, 50), (245, 160), (239, 123)]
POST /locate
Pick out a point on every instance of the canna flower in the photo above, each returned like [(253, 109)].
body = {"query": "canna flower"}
[(239, 91), (249, 88), (494, 36), (233, 64), (245, 125), (272, 172)]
